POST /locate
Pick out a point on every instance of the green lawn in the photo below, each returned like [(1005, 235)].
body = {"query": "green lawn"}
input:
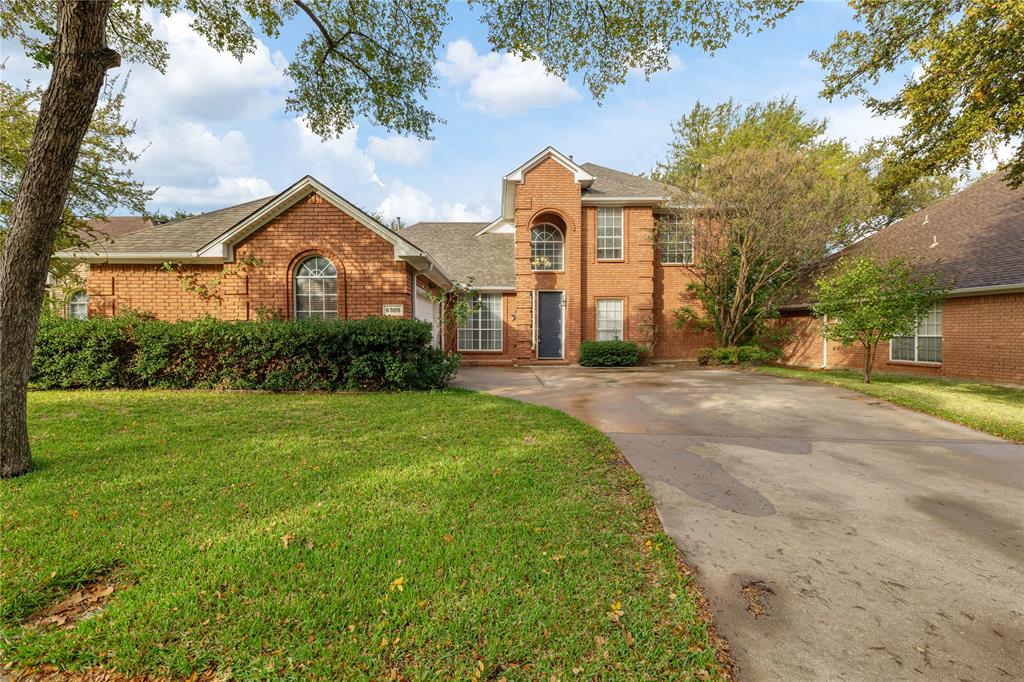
[(995, 409), (402, 536)]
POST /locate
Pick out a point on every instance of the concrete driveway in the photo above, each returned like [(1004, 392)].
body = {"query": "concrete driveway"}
[(881, 543)]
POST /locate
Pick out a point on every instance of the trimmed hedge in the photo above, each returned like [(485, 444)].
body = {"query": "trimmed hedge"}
[(609, 354), (131, 352)]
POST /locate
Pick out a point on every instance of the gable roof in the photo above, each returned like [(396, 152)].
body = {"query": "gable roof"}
[(487, 259), (611, 184), (972, 239), (114, 226)]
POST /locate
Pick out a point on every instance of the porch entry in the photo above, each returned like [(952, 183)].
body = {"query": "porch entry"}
[(549, 324)]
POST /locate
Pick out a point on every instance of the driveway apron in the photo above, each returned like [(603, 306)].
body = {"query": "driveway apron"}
[(835, 535)]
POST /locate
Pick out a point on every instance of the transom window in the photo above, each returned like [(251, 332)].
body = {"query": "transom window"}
[(609, 234), (316, 289), (482, 329), (546, 248), (675, 240), (609, 319), (78, 306), (924, 344)]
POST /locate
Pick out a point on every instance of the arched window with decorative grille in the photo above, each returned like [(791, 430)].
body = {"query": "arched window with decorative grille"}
[(316, 289), (546, 246)]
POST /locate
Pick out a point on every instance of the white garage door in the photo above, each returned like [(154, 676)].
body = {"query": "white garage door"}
[(426, 310)]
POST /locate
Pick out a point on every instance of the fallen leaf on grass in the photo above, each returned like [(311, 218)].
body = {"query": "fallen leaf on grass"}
[(286, 539)]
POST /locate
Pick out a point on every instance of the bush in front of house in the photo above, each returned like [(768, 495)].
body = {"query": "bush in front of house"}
[(737, 355), (132, 352), (609, 354)]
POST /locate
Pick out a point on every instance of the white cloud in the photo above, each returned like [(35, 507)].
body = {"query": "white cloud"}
[(857, 124), (342, 150), (223, 191), (188, 150), (398, 149), (201, 82), (502, 84), (413, 205)]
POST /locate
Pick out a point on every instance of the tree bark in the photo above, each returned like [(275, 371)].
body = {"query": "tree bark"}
[(869, 361), (81, 59)]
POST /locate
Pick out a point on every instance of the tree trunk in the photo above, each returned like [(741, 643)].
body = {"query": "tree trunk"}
[(869, 361), (80, 61)]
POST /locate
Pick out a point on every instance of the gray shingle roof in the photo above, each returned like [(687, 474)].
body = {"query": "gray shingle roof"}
[(974, 238), (489, 260), (609, 182), (180, 236)]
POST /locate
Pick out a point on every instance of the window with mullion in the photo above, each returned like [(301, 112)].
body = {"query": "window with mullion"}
[(609, 319), (675, 240), (924, 344), (609, 234), (482, 329)]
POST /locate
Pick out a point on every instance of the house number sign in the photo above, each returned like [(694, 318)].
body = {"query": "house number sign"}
[(394, 310)]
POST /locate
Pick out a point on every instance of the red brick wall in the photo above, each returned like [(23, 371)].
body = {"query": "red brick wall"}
[(368, 275), (982, 338)]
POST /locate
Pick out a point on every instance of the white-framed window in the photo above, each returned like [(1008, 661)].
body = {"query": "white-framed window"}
[(675, 240), (609, 319), (546, 246), (316, 289), (609, 233), (482, 329), (924, 344), (78, 306)]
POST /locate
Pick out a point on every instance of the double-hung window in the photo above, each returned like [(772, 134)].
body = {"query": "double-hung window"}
[(482, 329), (78, 306), (609, 319), (609, 234), (924, 344), (675, 240)]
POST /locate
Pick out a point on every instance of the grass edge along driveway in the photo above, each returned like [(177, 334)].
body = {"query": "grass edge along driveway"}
[(341, 536), (998, 410)]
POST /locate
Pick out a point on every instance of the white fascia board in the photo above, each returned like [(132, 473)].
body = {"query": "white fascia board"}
[(581, 176), (137, 257), (495, 290), (993, 289), (624, 201)]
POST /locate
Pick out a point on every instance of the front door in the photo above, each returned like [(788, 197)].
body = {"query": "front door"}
[(549, 325)]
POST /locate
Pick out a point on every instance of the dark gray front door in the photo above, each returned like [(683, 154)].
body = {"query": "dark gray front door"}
[(549, 323)]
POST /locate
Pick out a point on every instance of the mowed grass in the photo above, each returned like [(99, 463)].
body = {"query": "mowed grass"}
[(405, 536), (994, 409)]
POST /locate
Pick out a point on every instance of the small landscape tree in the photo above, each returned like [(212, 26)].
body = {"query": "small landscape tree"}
[(866, 302)]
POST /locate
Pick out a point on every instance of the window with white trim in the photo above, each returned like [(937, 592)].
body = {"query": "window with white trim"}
[(675, 240), (609, 319), (316, 289), (78, 306), (546, 248), (482, 329), (609, 233), (925, 344)]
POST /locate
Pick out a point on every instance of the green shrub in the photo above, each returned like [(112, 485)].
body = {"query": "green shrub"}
[(739, 355), (609, 354), (131, 352), (705, 356)]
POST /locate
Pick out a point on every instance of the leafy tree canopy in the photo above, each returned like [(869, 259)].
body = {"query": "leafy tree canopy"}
[(966, 94), (865, 301), (102, 179), (376, 59)]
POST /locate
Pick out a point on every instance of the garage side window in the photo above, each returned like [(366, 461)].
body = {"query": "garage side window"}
[(316, 289), (78, 306), (482, 329), (924, 344)]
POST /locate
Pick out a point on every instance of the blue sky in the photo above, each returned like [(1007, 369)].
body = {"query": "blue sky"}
[(214, 132)]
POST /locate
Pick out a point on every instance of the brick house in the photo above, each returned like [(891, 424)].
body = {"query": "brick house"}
[(571, 257), (974, 242)]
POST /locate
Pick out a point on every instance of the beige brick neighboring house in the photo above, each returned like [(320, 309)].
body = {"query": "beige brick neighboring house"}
[(974, 241)]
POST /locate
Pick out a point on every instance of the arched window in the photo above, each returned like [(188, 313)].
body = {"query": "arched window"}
[(546, 248), (78, 306), (316, 289)]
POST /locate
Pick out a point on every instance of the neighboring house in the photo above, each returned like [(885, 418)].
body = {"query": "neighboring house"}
[(571, 257), (974, 242), (70, 291)]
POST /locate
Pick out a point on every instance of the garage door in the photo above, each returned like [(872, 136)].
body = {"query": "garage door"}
[(426, 310)]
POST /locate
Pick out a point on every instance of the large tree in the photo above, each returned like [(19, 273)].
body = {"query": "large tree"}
[(360, 59), (764, 217), (965, 94)]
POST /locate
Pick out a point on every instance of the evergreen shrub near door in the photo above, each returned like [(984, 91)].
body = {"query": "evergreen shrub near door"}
[(131, 352), (609, 354)]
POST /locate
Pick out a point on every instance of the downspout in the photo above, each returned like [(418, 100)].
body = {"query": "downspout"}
[(824, 344)]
